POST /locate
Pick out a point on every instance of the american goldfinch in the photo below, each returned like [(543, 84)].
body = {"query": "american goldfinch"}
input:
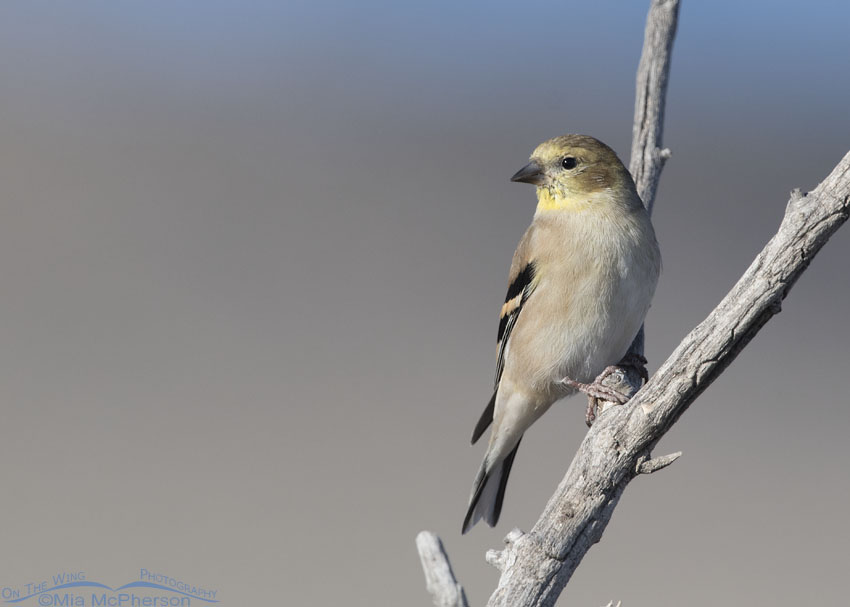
[(580, 285)]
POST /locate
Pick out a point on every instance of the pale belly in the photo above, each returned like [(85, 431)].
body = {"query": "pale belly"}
[(586, 308), (580, 332)]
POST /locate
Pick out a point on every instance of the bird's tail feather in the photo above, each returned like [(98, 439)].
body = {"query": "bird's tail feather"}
[(488, 492), (485, 420)]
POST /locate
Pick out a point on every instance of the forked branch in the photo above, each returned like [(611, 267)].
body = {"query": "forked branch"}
[(537, 565)]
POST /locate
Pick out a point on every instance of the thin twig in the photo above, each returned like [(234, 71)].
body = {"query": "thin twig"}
[(648, 155), (648, 466), (439, 578)]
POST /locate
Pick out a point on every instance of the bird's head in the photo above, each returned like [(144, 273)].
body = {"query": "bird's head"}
[(572, 171)]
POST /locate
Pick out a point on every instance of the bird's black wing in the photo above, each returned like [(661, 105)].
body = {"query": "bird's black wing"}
[(518, 292)]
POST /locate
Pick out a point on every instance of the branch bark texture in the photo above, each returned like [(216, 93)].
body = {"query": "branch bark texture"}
[(537, 565), (439, 578), (648, 156)]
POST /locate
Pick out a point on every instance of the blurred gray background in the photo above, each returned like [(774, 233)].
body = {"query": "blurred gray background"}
[(253, 254)]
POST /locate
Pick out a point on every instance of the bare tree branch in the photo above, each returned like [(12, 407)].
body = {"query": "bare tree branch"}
[(439, 577), (648, 157), (536, 566)]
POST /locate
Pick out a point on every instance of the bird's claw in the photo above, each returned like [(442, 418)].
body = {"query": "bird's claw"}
[(590, 412), (597, 391)]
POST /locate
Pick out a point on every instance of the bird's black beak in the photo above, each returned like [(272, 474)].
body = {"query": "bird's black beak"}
[(530, 173)]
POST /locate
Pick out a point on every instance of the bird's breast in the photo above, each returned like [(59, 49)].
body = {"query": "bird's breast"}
[(591, 299)]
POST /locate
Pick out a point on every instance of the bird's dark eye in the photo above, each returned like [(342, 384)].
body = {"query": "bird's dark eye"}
[(569, 162)]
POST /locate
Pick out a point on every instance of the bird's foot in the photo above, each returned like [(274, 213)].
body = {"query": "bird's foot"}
[(597, 391)]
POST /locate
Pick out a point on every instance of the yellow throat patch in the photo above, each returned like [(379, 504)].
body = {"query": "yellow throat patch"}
[(548, 201)]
